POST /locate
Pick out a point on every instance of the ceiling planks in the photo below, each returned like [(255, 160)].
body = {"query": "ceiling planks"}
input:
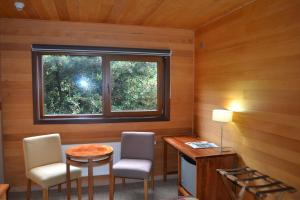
[(190, 14)]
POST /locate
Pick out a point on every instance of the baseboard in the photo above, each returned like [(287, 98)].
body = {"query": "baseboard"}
[(98, 181)]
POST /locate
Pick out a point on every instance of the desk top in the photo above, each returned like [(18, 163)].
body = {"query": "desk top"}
[(89, 151), (178, 143)]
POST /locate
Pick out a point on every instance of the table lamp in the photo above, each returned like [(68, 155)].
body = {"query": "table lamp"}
[(222, 116)]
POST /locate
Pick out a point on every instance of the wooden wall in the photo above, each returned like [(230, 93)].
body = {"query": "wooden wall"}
[(16, 37), (1, 149), (1, 143), (252, 57)]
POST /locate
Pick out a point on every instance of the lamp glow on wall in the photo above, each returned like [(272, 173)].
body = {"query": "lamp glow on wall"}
[(222, 116)]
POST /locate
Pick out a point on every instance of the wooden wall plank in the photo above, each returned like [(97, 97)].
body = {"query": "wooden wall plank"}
[(16, 37), (252, 56), (1, 137)]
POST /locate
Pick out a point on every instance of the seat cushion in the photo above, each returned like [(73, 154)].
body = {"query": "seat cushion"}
[(132, 168), (52, 174)]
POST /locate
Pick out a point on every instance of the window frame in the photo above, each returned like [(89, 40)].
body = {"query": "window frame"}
[(162, 57)]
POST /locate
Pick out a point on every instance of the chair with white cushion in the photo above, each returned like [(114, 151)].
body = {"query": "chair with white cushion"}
[(44, 164), (137, 156)]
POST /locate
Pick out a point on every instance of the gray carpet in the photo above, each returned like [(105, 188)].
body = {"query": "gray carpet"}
[(131, 191)]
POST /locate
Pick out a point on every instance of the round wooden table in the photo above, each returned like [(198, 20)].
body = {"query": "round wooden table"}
[(89, 155)]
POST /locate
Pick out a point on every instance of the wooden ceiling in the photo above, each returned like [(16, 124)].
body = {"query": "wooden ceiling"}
[(189, 14)]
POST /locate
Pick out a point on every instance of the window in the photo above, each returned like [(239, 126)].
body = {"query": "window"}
[(74, 84)]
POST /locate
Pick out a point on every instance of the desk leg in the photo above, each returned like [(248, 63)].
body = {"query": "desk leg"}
[(90, 179), (165, 158), (179, 172), (68, 181)]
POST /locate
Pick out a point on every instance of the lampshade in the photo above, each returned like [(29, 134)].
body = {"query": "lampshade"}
[(220, 115)]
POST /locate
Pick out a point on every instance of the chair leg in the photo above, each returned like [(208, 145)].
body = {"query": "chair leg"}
[(45, 194), (59, 187), (145, 189), (123, 181), (28, 193), (152, 179), (68, 179), (78, 181)]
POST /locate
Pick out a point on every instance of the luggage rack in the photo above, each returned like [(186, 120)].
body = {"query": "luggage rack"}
[(260, 185)]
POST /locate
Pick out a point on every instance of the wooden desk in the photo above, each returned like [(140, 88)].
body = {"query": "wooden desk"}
[(89, 155), (208, 185)]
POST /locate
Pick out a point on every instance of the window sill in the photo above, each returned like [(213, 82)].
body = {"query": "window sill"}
[(96, 120)]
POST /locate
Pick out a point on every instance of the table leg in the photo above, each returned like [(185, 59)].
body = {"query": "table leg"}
[(165, 157), (111, 180), (68, 181), (79, 192), (90, 179)]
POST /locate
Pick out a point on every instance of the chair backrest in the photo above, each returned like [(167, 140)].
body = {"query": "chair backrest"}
[(137, 145), (41, 150)]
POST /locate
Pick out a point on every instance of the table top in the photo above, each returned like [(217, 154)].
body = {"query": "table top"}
[(178, 142), (89, 151)]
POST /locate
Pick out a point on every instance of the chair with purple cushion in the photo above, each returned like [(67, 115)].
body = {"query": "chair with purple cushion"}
[(137, 156)]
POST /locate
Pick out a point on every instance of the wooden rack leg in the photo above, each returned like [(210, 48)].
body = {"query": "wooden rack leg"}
[(259, 198), (242, 193), (228, 188), (280, 196)]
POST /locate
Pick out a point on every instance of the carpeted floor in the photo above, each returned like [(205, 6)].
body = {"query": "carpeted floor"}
[(131, 191)]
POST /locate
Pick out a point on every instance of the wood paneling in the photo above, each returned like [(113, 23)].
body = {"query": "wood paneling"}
[(253, 56), (1, 144), (16, 39), (162, 13), (1, 150)]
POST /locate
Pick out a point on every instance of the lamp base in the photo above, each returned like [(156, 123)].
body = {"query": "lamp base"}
[(224, 149)]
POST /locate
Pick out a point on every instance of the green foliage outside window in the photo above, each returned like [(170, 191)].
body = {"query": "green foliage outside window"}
[(72, 84), (134, 85)]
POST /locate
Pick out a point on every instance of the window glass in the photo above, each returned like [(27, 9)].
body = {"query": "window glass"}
[(134, 86), (72, 84)]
